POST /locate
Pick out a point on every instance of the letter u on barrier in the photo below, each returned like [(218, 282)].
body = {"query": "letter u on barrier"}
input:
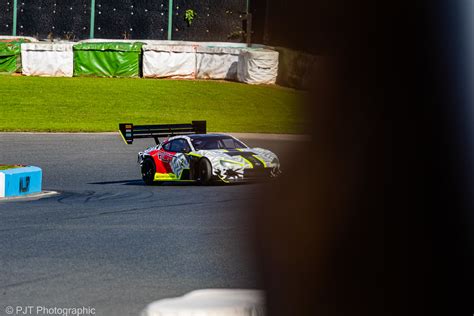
[(24, 184)]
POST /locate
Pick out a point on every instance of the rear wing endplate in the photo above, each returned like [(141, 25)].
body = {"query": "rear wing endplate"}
[(130, 132)]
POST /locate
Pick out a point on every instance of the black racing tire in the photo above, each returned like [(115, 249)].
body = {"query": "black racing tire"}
[(204, 172), (148, 170)]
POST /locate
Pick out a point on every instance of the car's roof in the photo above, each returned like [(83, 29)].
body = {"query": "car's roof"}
[(208, 135), (199, 136)]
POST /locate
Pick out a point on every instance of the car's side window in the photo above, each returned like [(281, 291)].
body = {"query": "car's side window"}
[(167, 146), (179, 146), (187, 148)]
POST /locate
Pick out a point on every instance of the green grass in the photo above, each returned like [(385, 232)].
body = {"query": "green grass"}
[(99, 104), (5, 167)]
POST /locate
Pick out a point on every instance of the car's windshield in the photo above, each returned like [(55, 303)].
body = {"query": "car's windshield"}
[(216, 142)]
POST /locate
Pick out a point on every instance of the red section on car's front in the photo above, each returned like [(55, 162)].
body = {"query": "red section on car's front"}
[(162, 160)]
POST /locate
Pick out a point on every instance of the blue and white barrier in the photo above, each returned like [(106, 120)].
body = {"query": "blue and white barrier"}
[(20, 181)]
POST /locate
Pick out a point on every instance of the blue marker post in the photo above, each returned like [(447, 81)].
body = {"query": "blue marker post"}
[(20, 181)]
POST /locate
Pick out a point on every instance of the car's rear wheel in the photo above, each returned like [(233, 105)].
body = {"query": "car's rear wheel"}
[(204, 172), (148, 171)]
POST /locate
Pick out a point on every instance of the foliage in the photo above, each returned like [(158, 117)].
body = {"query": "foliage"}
[(189, 16), (6, 167)]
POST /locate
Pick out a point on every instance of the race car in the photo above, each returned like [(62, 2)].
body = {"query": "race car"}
[(190, 154)]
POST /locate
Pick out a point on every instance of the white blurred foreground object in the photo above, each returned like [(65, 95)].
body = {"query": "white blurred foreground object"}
[(210, 302)]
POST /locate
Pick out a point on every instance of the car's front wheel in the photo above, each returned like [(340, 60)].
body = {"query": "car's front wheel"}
[(148, 170), (204, 172)]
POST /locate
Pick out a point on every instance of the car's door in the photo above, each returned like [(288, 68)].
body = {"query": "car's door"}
[(172, 157), (180, 161), (165, 156)]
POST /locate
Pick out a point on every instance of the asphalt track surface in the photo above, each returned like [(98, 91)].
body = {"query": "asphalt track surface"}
[(111, 243)]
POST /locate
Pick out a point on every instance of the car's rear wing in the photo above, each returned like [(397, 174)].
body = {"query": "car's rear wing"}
[(129, 131)]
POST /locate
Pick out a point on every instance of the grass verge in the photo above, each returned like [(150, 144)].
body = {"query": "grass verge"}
[(6, 167), (99, 104)]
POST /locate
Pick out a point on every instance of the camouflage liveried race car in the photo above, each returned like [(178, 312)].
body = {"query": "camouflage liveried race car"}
[(189, 154)]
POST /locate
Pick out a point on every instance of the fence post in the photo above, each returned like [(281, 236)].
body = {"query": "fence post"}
[(248, 23), (170, 19), (15, 13), (249, 29), (92, 25)]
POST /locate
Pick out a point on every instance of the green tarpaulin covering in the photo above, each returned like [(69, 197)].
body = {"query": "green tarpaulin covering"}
[(10, 60), (107, 59)]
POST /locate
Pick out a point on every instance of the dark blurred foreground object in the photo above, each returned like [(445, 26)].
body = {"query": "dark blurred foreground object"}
[(383, 221), (321, 229)]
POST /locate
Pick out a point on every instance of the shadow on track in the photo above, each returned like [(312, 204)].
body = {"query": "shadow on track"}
[(124, 182), (164, 183)]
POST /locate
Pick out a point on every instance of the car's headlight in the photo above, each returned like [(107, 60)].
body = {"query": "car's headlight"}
[(229, 164)]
